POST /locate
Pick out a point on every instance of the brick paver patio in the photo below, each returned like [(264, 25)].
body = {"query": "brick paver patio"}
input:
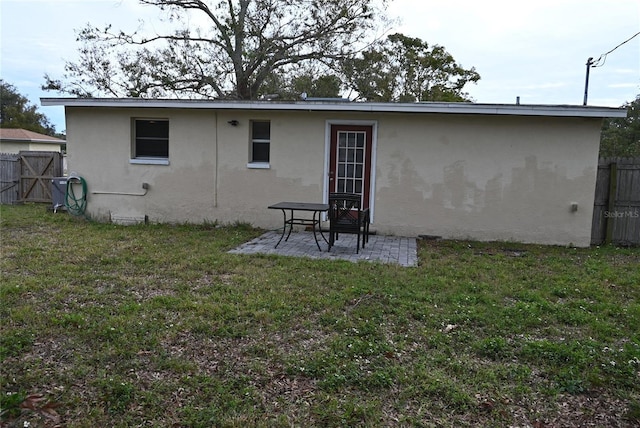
[(380, 248)]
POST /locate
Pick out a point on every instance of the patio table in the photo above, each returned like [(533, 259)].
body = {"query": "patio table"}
[(292, 220)]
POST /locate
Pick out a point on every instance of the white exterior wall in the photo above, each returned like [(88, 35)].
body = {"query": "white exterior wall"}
[(488, 177), (18, 146), (296, 170), (458, 176), (99, 148), (207, 178)]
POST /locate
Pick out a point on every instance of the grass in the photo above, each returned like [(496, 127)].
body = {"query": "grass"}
[(157, 325)]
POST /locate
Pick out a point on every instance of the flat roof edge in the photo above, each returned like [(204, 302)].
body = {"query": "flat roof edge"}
[(341, 106)]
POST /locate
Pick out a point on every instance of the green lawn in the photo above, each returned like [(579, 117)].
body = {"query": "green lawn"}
[(157, 325)]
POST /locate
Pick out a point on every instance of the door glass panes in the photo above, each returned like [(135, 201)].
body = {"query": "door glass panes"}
[(350, 162)]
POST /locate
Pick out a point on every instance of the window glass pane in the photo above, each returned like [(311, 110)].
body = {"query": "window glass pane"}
[(349, 188), (342, 139), (350, 156), (152, 148), (260, 141), (152, 128), (350, 170), (341, 185), (151, 138), (359, 170), (341, 170), (261, 131), (260, 152), (342, 155), (359, 156), (359, 186), (360, 139), (352, 139)]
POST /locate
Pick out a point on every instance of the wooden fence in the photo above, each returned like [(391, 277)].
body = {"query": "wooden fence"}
[(9, 178), (616, 213), (26, 177)]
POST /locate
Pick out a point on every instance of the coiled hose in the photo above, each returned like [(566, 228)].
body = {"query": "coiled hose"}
[(76, 205)]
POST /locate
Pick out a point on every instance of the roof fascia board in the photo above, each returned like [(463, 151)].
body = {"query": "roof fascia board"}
[(418, 108), (33, 140)]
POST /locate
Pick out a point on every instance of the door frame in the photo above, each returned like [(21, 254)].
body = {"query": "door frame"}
[(327, 157)]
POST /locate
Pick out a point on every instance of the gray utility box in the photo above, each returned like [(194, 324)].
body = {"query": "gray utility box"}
[(59, 193)]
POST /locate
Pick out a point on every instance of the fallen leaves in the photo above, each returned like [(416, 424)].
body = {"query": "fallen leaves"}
[(37, 403)]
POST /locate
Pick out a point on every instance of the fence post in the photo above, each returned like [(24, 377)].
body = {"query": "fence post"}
[(613, 189)]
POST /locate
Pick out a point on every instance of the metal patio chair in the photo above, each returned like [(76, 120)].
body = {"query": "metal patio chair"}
[(347, 216)]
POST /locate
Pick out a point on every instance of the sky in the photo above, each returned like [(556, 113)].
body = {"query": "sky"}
[(534, 50)]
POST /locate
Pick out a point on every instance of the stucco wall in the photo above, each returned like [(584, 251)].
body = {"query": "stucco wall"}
[(488, 178), (462, 176), (18, 146), (99, 150), (296, 170)]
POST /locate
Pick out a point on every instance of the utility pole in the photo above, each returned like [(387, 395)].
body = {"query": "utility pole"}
[(600, 62), (586, 82)]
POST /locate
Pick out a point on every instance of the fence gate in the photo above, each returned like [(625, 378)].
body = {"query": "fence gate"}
[(36, 171), (9, 178), (616, 213)]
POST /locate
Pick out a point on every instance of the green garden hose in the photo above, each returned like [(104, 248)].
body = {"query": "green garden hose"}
[(76, 205)]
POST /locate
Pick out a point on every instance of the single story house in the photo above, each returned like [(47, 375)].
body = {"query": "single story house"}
[(15, 140), (521, 173)]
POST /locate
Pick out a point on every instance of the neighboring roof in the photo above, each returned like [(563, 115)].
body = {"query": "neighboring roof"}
[(18, 134), (341, 106)]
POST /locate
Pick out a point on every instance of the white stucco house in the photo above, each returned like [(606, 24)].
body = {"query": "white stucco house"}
[(521, 173), (15, 140)]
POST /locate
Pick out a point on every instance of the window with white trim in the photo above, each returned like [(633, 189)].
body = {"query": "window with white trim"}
[(260, 142), (150, 139)]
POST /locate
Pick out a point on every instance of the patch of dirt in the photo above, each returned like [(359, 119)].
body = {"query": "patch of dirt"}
[(569, 411)]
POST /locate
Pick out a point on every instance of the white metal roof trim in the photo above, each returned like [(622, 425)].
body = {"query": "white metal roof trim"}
[(419, 108)]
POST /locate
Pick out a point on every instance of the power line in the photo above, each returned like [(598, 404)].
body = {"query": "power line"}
[(597, 63), (603, 57)]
